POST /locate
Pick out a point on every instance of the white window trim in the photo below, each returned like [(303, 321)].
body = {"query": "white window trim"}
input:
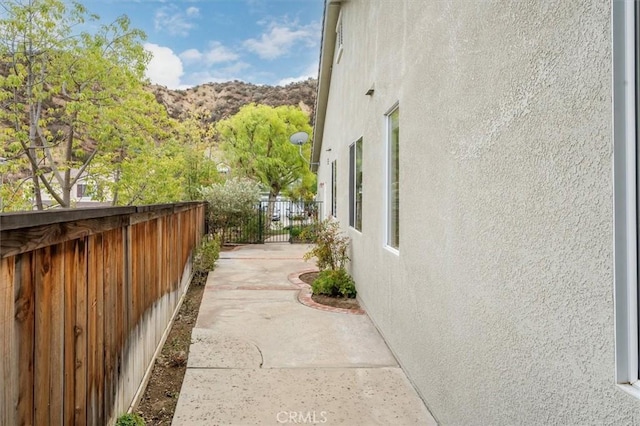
[(352, 190), (625, 197), (387, 187), (334, 186)]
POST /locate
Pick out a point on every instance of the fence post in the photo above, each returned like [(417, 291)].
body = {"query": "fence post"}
[(260, 230)]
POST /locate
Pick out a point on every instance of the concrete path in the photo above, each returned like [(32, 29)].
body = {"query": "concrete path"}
[(260, 357)]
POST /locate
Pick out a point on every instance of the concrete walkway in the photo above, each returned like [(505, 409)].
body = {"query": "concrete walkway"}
[(260, 357)]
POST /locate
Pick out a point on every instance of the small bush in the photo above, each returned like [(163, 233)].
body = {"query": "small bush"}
[(334, 283), (331, 246), (206, 256), (295, 231), (130, 420), (303, 233)]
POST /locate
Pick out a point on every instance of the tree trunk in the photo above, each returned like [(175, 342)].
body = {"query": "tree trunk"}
[(273, 196), (36, 187)]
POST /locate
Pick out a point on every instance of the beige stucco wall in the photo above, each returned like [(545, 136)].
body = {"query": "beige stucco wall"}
[(500, 303)]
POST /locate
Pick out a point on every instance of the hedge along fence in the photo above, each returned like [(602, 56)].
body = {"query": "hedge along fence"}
[(86, 297)]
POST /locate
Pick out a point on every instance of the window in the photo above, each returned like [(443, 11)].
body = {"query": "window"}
[(339, 39), (355, 185), (334, 188), (81, 189), (626, 83), (393, 178)]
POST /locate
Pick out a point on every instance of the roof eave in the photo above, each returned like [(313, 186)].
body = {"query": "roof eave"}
[(330, 20)]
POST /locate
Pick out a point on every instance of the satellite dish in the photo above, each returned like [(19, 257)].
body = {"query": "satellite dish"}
[(299, 138)]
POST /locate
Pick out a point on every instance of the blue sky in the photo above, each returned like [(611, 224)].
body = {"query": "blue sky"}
[(193, 42)]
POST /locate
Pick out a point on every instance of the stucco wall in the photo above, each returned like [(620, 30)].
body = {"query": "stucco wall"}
[(500, 303)]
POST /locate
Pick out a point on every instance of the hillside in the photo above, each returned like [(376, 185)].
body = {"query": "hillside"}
[(216, 101)]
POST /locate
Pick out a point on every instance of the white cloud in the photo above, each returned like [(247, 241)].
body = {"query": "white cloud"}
[(281, 38), (219, 75), (235, 68), (215, 54), (175, 21), (192, 11), (310, 72), (165, 67), (191, 55)]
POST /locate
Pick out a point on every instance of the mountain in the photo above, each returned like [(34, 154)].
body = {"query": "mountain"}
[(217, 101)]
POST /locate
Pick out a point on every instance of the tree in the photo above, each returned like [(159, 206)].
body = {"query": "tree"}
[(196, 137), (303, 189), (66, 98), (143, 170), (256, 143)]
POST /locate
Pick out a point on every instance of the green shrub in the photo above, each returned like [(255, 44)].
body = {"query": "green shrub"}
[(230, 204), (295, 231), (303, 233), (130, 420), (206, 256), (334, 283), (330, 249)]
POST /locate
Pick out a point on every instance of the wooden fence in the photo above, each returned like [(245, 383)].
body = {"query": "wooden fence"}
[(86, 297)]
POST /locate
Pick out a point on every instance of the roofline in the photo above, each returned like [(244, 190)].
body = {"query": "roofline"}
[(327, 48)]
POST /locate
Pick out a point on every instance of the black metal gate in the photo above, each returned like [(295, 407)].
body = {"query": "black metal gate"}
[(274, 222), (289, 221)]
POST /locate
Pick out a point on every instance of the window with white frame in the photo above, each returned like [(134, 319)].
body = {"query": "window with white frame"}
[(355, 185), (81, 190), (334, 188), (626, 88), (393, 178)]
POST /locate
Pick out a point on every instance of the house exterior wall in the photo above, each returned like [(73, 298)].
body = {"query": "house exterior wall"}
[(499, 305)]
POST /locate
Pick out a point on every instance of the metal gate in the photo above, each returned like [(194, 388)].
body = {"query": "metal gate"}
[(274, 222), (289, 221)]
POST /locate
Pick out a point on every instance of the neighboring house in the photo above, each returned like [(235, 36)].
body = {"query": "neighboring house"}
[(80, 196), (481, 155)]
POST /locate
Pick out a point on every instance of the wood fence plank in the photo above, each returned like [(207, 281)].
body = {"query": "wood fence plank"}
[(81, 331), (8, 353), (175, 259), (165, 255), (95, 251), (70, 284), (25, 331), (138, 302), (99, 348), (110, 274), (42, 364), (55, 279), (146, 292), (144, 244), (135, 266), (128, 314), (120, 318)]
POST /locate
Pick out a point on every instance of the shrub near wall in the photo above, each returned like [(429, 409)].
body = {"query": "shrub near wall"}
[(330, 251)]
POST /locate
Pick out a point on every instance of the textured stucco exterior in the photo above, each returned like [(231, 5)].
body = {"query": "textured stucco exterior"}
[(499, 305)]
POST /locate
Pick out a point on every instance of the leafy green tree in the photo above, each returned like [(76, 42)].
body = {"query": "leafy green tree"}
[(15, 191), (64, 95), (303, 189), (196, 137), (256, 143)]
